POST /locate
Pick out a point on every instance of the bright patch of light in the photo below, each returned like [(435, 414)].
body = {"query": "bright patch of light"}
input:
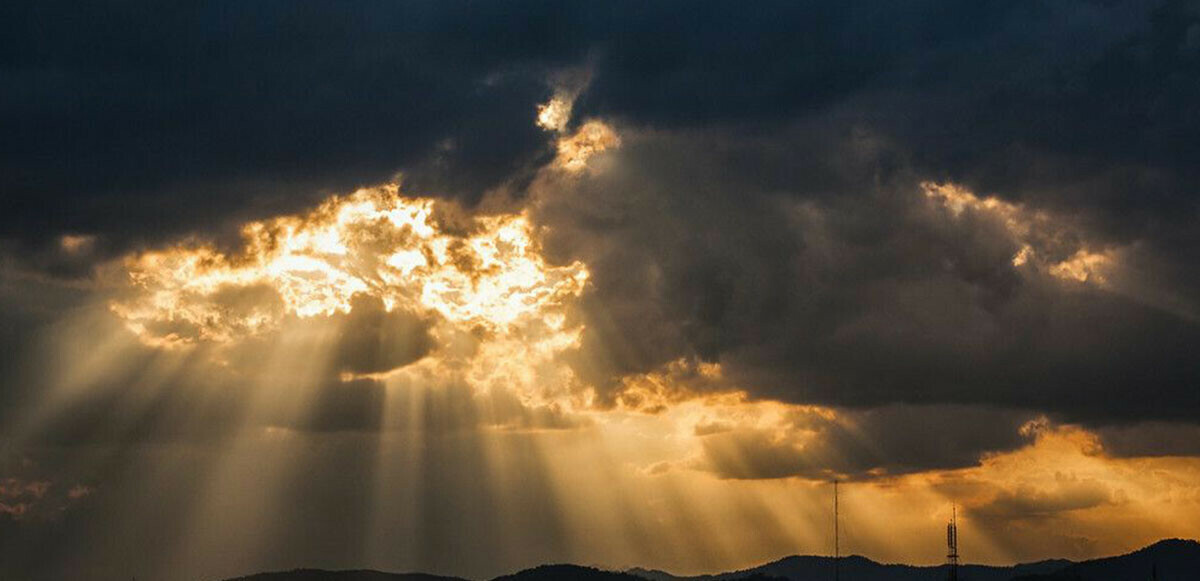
[(555, 113), (594, 137), (1025, 227), (373, 242), (1083, 266), (76, 243)]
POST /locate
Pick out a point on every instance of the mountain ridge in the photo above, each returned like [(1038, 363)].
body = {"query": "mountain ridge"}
[(1169, 559), (859, 567)]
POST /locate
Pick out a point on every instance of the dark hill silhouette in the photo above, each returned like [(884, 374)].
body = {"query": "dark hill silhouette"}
[(1169, 560), (1174, 560), (577, 573), (358, 575), (568, 573), (857, 568)]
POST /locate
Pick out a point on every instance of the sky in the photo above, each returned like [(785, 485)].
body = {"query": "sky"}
[(467, 287)]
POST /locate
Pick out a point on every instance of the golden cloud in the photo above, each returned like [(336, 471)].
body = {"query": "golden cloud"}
[(1039, 236), (592, 138), (485, 272), (554, 114)]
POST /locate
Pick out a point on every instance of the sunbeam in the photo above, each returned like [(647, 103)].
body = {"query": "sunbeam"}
[(471, 289)]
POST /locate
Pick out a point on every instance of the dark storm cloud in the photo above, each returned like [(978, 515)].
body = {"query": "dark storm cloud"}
[(765, 211), (1086, 107), (884, 441), (139, 120), (870, 296), (1151, 439), (785, 234), (136, 120)]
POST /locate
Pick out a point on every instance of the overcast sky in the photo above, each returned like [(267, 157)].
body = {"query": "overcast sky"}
[(465, 287)]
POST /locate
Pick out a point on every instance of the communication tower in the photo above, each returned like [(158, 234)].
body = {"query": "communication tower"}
[(837, 552), (952, 544)]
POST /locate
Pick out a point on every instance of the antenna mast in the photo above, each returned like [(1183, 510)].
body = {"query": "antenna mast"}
[(837, 551), (952, 544)]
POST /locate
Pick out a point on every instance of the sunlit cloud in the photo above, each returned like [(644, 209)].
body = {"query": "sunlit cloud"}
[(75, 244), (373, 242), (438, 326), (1061, 248), (371, 290), (591, 138), (554, 114), (1040, 237), (1083, 266), (445, 343), (1064, 488)]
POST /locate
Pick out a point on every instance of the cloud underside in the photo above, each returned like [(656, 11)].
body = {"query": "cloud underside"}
[(904, 223)]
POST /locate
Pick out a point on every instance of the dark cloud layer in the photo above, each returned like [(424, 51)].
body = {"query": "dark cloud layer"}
[(765, 211), (135, 120), (884, 441), (120, 113), (876, 295)]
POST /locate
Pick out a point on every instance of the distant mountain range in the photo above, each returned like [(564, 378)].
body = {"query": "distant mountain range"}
[(861, 568), (360, 575), (1168, 560)]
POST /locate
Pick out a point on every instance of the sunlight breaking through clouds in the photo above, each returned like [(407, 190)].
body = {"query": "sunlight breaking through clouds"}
[(445, 343), (639, 288), (553, 115), (473, 271), (1040, 238), (1060, 247), (592, 138), (491, 410)]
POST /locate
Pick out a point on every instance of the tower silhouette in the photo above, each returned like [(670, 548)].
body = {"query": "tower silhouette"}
[(837, 552), (952, 544)]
